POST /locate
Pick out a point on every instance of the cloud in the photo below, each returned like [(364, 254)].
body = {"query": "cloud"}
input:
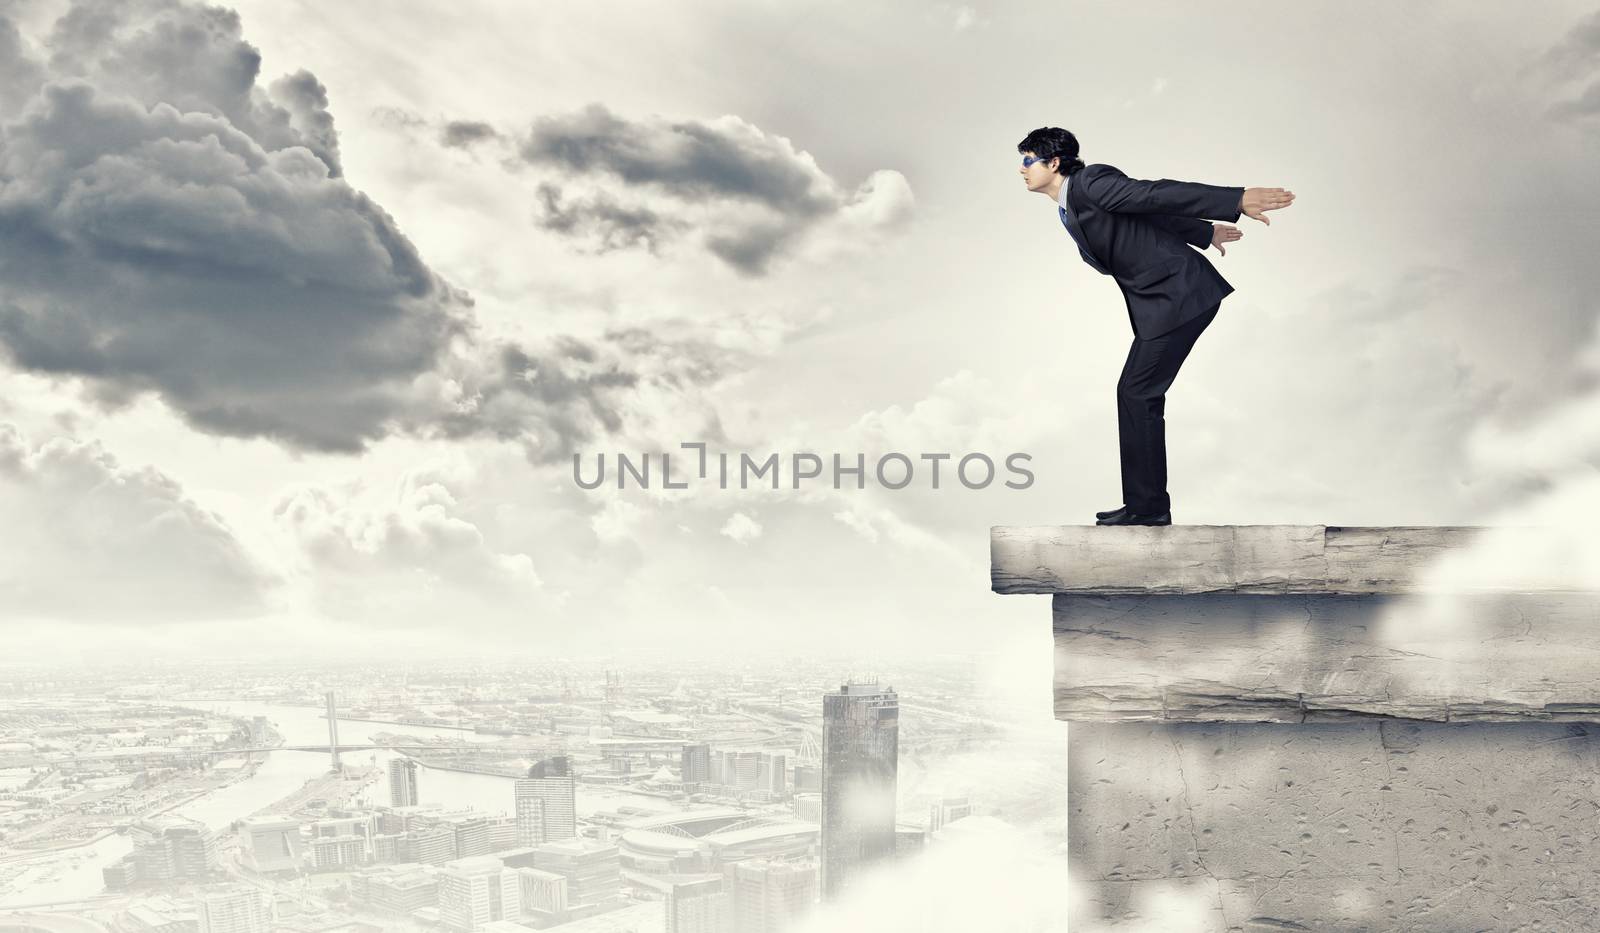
[(618, 520), (741, 528), (463, 134), (405, 559), (96, 541), (978, 873), (1543, 538), (194, 59), (1578, 52), (601, 220), (749, 195), (1575, 58), (168, 226)]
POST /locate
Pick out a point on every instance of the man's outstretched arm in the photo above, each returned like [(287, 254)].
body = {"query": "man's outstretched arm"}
[(1114, 191), (1191, 231), (1196, 232)]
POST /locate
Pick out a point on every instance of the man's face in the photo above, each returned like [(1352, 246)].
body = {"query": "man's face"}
[(1037, 175)]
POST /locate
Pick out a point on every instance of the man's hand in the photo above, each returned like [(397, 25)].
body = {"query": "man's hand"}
[(1222, 233), (1256, 201)]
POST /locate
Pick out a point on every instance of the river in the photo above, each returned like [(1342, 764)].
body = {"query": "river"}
[(76, 873)]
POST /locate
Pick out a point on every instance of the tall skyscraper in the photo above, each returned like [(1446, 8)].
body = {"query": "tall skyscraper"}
[(547, 804), (860, 755), (475, 891), (696, 763), (771, 775), (236, 908), (743, 767), (530, 812), (403, 782)]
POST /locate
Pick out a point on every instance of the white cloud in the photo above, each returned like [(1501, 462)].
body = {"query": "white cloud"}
[(90, 539), (741, 528), (407, 559)]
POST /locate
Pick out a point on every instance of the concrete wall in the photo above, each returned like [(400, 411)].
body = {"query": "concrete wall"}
[(1277, 728)]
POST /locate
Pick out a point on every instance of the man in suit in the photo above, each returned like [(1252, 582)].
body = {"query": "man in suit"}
[(1138, 232)]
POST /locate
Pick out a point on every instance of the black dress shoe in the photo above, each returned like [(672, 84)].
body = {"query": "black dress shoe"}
[(1116, 511), (1133, 518)]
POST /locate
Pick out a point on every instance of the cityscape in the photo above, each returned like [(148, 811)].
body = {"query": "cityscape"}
[(455, 798)]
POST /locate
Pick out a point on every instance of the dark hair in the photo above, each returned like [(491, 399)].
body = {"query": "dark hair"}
[(1048, 142)]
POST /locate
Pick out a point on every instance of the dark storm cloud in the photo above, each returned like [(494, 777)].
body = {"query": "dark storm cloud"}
[(688, 159), (554, 400), (193, 58), (166, 251), (168, 227), (20, 75), (752, 249), (1578, 53), (1576, 57), (750, 194), (461, 134), (609, 224)]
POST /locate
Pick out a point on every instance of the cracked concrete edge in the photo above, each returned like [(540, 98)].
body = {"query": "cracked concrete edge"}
[(1222, 559)]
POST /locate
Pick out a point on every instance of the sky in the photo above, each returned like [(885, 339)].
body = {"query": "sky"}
[(304, 310)]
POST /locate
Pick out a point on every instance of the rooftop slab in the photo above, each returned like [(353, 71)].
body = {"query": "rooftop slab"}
[(1194, 559)]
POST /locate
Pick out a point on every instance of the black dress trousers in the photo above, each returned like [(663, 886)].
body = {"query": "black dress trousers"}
[(1141, 403)]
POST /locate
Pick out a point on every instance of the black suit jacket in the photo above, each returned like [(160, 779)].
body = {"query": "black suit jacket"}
[(1139, 233)]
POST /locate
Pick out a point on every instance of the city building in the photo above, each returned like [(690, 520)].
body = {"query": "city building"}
[(948, 810), (271, 843), (702, 841), (547, 804), (431, 845), (695, 764), (403, 782), (740, 768), (502, 833), (388, 847), (909, 839), (396, 889), (471, 834), (334, 853), (593, 870), (530, 812), (698, 905), (173, 848), (768, 895), (860, 755), (474, 891), (236, 908), (544, 894), (159, 914), (807, 778), (771, 773)]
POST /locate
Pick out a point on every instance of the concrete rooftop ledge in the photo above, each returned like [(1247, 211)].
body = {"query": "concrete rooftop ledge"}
[(1192, 559), (1324, 728), (1293, 624)]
